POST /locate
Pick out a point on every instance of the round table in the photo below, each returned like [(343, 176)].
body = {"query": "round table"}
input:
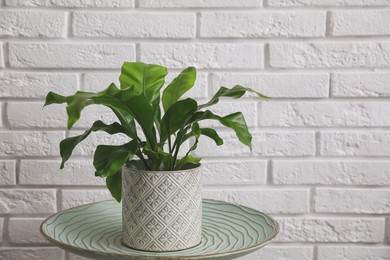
[(95, 231)]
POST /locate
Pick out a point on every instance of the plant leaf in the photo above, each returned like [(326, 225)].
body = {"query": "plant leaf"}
[(109, 159), (176, 117), (147, 79), (135, 106), (114, 185), (211, 133), (67, 145), (180, 85), (77, 102), (235, 92), (187, 160), (235, 121), (54, 98)]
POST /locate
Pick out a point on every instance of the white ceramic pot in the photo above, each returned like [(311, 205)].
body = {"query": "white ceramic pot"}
[(161, 210)]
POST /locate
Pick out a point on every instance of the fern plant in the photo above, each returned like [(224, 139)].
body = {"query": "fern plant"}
[(137, 102)]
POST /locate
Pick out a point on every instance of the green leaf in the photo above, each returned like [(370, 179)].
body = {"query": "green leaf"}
[(135, 106), (235, 121), (187, 161), (114, 185), (180, 85), (78, 101), (109, 159), (211, 133), (176, 117), (147, 79), (235, 92), (53, 98), (67, 145), (208, 132)]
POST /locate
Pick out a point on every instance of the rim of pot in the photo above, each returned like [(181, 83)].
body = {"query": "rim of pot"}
[(174, 171)]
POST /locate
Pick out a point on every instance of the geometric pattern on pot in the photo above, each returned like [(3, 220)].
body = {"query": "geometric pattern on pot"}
[(162, 210)]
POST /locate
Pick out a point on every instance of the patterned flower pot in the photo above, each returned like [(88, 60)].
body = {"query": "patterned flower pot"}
[(161, 210)]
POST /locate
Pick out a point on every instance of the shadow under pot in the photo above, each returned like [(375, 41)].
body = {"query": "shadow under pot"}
[(161, 210)]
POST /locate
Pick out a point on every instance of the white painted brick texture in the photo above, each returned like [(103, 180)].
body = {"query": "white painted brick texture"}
[(320, 161)]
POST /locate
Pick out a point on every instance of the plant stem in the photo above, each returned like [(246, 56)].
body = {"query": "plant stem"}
[(139, 154), (179, 139)]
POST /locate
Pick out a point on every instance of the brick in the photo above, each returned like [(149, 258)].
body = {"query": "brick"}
[(69, 55), (353, 252), (262, 24), (223, 108), (39, 172), (286, 201), (137, 25), (234, 172), (370, 84), (70, 3), (298, 3), (1, 56), (203, 55), (282, 253), (99, 81), (23, 143), (199, 4), (1, 229), (276, 143), (355, 143), (360, 23), (325, 113), (276, 85), (73, 198), (32, 253), (27, 201), (264, 144), (7, 173), (36, 85), (330, 55), (25, 231), (328, 172), (32, 24), (367, 230), (33, 115), (368, 201)]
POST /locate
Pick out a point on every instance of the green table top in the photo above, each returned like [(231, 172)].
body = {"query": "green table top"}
[(95, 231)]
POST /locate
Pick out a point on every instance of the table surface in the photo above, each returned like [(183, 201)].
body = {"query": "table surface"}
[(95, 231)]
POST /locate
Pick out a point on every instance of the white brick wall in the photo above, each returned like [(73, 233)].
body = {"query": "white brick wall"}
[(321, 147)]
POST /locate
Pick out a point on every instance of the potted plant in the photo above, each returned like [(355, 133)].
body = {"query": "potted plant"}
[(160, 191)]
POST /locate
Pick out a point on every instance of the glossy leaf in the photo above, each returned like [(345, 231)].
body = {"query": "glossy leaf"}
[(78, 101), (212, 134), (54, 98), (235, 121), (114, 185), (109, 159), (147, 79), (180, 85), (186, 161), (136, 106), (67, 145), (235, 92), (177, 116)]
